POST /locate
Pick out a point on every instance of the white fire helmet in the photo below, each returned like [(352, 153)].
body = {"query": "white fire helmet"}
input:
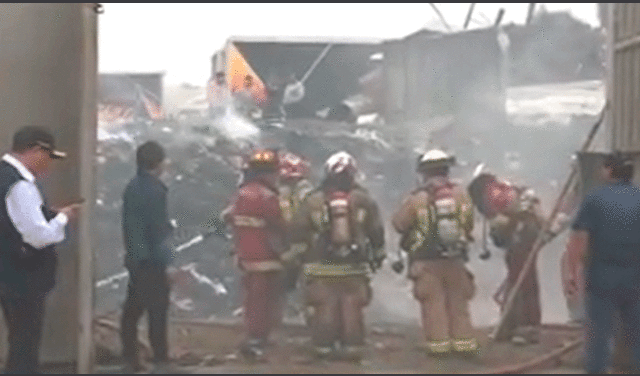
[(435, 158), (340, 162)]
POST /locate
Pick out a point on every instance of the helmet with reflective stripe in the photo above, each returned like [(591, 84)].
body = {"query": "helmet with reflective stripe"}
[(435, 159), (340, 162)]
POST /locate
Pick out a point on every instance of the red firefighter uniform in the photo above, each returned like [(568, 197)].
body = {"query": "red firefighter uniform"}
[(514, 222), (338, 228), (435, 222), (259, 231)]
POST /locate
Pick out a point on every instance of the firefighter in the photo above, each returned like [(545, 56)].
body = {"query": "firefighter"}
[(435, 222), (294, 186), (259, 234), (340, 234), (514, 224)]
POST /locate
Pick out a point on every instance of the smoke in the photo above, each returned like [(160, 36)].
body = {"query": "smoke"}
[(236, 127)]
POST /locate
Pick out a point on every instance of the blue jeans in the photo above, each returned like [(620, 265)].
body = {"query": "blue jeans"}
[(602, 304)]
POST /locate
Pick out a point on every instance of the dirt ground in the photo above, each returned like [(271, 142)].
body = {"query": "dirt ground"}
[(201, 347)]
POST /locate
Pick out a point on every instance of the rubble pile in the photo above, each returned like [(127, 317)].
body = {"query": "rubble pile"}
[(203, 172)]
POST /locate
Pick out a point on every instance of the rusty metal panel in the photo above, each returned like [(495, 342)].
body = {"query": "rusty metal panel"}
[(625, 93), (47, 77)]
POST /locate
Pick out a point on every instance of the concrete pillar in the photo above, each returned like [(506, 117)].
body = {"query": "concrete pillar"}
[(48, 76)]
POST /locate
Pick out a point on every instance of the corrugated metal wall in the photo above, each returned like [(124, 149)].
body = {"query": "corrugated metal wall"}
[(625, 90), (429, 75), (48, 73)]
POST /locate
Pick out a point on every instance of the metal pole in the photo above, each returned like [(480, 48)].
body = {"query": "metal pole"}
[(441, 16), (609, 75), (498, 332), (499, 18), (86, 354), (316, 62), (532, 7), (469, 13)]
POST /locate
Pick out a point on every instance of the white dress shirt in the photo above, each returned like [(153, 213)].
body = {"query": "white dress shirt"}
[(24, 206)]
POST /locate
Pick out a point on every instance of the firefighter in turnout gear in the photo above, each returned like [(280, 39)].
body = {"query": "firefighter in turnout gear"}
[(514, 223), (259, 233), (294, 186), (435, 222), (339, 233)]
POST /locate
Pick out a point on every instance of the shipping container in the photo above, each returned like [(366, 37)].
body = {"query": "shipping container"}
[(275, 59)]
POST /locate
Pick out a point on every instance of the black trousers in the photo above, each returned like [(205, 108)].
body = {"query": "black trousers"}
[(24, 317), (148, 291)]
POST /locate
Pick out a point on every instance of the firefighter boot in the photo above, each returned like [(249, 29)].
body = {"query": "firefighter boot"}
[(439, 349), (466, 347)]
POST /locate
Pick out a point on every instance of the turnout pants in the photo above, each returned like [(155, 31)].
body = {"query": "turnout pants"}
[(263, 300), (444, 287), (338, 303), (24, 317), (148, 291), (526, 309)]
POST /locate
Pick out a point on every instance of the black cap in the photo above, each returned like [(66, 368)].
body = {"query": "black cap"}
[(30, 136)]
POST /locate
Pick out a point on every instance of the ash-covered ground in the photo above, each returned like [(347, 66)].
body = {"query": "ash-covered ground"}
[(547, 124)]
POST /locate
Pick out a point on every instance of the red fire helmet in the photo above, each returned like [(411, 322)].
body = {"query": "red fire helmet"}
[(492, 196), (292, 166)]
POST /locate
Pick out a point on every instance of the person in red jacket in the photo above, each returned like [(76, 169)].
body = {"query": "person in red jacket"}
[(259, 234)]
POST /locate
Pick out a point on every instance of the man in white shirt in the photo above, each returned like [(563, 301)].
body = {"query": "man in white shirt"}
[(29, 230)]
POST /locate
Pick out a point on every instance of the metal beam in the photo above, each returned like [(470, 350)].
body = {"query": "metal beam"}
[(627, 43), (609, 129), (469, 13), (499, 18), (88, 116), (532, 7)]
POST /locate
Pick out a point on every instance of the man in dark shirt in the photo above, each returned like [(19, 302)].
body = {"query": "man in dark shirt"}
[(146, 227), (606, 239)]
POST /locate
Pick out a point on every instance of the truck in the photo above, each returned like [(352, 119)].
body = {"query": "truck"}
[(404, 80)]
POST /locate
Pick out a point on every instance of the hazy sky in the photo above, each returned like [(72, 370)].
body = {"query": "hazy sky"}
[(179, 39)]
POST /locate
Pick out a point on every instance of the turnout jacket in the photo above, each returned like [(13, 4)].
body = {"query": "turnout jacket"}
[(258, 227), (411, 217), (311, 221)]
